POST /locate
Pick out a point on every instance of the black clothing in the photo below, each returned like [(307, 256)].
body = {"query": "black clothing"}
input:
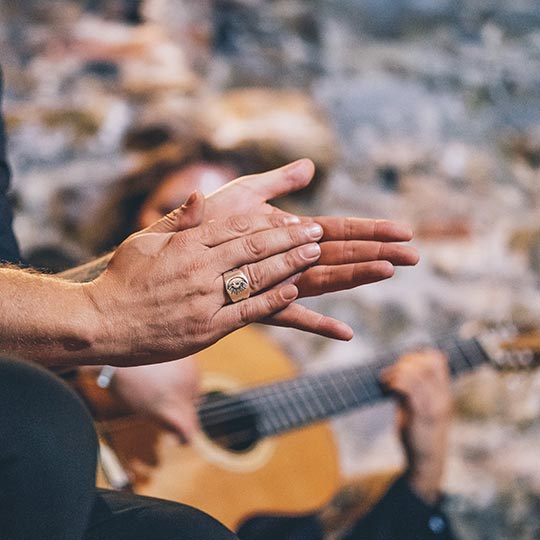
[(48, 450), (9, 251), (399, 515), (124, 516), (402, 515)]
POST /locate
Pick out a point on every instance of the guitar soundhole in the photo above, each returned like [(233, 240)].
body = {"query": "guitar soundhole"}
[(229, 422)]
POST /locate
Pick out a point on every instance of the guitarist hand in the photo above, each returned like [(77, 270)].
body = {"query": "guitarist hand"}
[(165, 392), (353, 251), (422, 381)]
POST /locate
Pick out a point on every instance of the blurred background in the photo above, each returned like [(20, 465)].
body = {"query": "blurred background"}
[(426, 111)]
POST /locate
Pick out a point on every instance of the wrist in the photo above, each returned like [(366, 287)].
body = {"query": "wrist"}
[(106, 334), (425, 481)]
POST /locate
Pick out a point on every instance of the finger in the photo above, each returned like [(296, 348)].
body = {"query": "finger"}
[(183, 423), (302, 318), (364, 250), (430, 363), (189, 215), (234, 316), (283, 267), (278, 182), (401, 383), (216, 233), (319, 280), (261, 245), (349, 228)]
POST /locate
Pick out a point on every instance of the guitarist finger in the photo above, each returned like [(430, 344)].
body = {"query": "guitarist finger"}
[(319, 280), (350, 228), (343, 252), (303, 318), (183, 423)]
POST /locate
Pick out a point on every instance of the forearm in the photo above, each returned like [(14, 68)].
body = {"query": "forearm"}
[(425, 476), (47, 320)]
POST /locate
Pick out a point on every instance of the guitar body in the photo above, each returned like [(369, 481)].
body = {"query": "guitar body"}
[(293, 473)]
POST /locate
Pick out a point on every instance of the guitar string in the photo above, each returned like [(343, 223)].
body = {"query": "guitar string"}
[(234, 407), (245, 436), (264, 393), (276, 388), (237, 436)]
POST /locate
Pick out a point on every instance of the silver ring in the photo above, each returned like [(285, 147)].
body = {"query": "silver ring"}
[(236, 285)]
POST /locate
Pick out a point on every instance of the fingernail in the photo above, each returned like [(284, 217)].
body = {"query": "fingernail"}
[(289, 292), (315, 231), (191, 199), (310, 251)]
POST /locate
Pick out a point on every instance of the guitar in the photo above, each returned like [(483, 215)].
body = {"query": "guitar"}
[(255, 440)]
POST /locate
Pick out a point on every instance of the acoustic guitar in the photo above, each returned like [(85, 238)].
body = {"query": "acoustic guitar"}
[(264, 446)]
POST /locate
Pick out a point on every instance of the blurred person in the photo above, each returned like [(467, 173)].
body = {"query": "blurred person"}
[(411, 508), (158, 297)]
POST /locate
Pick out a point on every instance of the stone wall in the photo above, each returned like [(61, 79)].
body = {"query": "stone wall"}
[(436, 108)]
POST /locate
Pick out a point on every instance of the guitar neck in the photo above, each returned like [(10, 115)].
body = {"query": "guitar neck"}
[(293, 403)]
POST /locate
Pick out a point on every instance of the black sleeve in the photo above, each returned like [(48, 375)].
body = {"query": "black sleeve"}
[(9, 250), (402, 515)]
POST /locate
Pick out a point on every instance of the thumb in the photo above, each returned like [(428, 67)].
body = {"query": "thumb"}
[(189, 215), (282, 181)]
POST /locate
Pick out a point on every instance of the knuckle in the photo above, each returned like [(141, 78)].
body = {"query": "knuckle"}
[(245, 312), (255, 276), (348, 229), (293, 259), (238, 224), (272, 302), (348, 252), (255, 246), (297, 235)]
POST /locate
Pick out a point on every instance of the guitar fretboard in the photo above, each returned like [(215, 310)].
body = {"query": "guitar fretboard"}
[(293, 403)]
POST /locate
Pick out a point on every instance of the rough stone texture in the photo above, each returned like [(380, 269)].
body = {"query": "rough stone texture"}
[(436, 107)]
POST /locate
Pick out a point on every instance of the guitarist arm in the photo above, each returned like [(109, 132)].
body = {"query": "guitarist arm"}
[(411, 508)]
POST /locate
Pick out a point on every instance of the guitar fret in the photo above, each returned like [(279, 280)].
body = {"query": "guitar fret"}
[(328, 405), (480, 357), (310, 397), (287, 410), (372, 381), (296, 404), (289, 404), (347, 387), (329, 393), (312, 391), (339, 395), (462, 348), (457, 361), (303, 403), (295, 388), (275, 410)]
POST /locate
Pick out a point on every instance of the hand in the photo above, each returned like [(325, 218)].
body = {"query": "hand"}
[(354, 251), (165, 392), (162, 296), (423, 383)]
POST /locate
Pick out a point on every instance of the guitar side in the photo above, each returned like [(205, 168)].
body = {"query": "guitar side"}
[(293, 473)]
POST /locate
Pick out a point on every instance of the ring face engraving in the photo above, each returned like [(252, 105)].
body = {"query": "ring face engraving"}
[(236, 285)]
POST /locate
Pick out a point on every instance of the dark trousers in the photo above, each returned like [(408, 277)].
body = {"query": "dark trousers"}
[(48, 450)]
